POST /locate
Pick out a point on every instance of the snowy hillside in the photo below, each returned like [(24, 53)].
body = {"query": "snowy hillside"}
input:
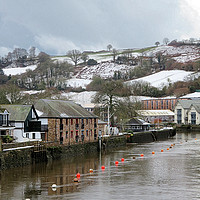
[(76, 82), (163, 78), (104, 70), (18, 70), (181, 54)]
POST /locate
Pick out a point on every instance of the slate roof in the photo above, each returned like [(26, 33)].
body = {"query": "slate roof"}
[(196, 106), (17, 112), (187, 103), (135, 121), (61, 109)]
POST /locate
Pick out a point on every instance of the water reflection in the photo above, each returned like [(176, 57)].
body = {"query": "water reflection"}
[(173, 173)]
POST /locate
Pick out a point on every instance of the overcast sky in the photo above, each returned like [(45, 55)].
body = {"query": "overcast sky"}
[(56, 26)]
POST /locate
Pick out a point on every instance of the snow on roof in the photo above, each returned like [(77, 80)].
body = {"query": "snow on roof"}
[(191, 95), (163, 78), (18, 70), (155, 112)]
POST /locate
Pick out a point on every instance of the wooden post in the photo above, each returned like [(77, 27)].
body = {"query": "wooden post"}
[(0, 144)]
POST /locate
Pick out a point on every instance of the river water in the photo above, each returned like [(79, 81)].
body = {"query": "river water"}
[(171, 174)]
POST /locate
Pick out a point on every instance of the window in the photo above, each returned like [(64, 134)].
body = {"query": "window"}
[(147, 104), (27, 135), (33, 135), (179, 116), (66, 121), (161, 104), (87, 133), (193, 117), (66, 134), (156, 104), (151, 104), (71, 121), (167, 104), (71, 134)]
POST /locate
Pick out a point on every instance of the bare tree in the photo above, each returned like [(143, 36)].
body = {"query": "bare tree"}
[(84, 57), (165, 41), (157, 43), (75, 56), (109, 47), (114, 54), (32, 52)]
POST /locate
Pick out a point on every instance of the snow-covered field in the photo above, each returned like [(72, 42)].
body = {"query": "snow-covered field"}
[(181, 54), (18, 70), (104, 70), (80, 98), (163, 78), (77, 82)]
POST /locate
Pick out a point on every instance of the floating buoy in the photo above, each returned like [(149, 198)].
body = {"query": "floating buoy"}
[(78, 175), (122, 159), (133, 157), (116, 162), (162, 150), (142, 155), (172, 145), (75, 179), (153, 152), (103, 167), (54, 185), (167, 148), (195, 138), (91, 170)]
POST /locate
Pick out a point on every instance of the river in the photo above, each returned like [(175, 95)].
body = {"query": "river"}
[(171, 174)]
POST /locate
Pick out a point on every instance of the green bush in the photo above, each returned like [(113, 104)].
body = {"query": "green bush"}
[(7, 139)]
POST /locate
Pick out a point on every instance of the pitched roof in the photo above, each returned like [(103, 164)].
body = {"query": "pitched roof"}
[(61, 109), (196, 106), (17, 112), (187, 103), (135, 121)]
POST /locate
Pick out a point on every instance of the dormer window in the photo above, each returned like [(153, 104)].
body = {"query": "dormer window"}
[(4, 118)]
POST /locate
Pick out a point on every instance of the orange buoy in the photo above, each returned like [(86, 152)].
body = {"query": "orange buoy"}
[(103, 167), (116, 162), (153, 152), (195, 138), (78, 175), (162, 150), (91, 170), (167, 148), (172, 145), (122, 159), (142, 155)]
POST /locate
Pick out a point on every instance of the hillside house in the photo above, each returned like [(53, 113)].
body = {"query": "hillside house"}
[(20, 121), (66, 122), (187, 112)]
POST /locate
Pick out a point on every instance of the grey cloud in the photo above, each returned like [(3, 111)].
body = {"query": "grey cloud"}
[(86, 23)]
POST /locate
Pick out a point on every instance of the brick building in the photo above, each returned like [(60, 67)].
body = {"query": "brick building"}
[(164, 103), (66, 122)]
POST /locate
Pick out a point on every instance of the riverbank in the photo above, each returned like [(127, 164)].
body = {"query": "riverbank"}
[(151, 136), (33, 154)]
